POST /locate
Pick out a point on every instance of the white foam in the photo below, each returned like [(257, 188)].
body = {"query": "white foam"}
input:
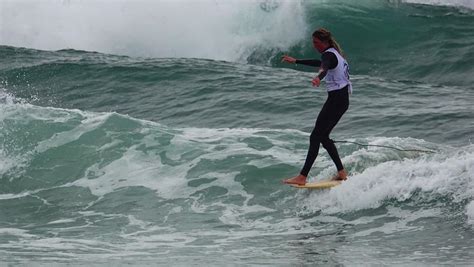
[(62, 221), (6, 98), (16, 232), (6, 163), (470, 212), (215, 29), (88, 123), (402, 223), (133, 168), (136, 168), (20, 112), (458, 3), (283, 142), (446, 173)]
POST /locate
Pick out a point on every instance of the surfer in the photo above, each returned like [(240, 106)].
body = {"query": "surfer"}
[(335, 72)]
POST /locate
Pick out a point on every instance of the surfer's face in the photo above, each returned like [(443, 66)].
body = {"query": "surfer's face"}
[(319, 45)]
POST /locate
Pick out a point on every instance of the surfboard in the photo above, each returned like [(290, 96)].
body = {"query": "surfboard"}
[(319, 184)]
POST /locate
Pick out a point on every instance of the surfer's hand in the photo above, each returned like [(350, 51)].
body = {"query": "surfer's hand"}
[(316, 81), (288, 59)]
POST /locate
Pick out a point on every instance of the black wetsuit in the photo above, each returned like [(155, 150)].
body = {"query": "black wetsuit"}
[(335, 106)]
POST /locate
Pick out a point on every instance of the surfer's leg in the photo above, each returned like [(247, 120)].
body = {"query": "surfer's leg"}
[(315, 139), (328, 144), (337, 108), (313, 150), (332, 151)]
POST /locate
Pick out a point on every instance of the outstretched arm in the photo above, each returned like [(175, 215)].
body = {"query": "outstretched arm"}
[(307, 62)]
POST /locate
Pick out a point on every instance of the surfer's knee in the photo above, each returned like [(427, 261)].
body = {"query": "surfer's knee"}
[(315, 137), (327, 143)]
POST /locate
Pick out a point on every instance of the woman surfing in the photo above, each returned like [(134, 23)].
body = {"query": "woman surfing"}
[(334, 69)]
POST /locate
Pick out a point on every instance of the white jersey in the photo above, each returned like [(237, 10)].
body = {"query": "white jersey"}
[(338, 77)]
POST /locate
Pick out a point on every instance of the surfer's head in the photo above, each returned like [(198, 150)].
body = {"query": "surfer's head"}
[(322, 40)]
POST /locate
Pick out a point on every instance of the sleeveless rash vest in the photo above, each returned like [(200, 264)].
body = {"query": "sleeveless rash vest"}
[(338, 77)]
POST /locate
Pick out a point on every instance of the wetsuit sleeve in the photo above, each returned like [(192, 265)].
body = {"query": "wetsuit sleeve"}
[(309, 62), (328, 62)]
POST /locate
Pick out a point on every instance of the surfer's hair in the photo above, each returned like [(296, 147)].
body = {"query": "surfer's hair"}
[(326, 36)]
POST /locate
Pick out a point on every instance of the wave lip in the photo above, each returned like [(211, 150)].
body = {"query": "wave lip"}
[(225, 30)]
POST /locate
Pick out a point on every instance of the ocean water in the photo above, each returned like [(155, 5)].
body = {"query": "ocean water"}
[(158, 133)]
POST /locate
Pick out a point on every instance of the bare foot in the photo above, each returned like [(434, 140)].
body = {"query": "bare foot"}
[(341, 176), (299, 180)]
